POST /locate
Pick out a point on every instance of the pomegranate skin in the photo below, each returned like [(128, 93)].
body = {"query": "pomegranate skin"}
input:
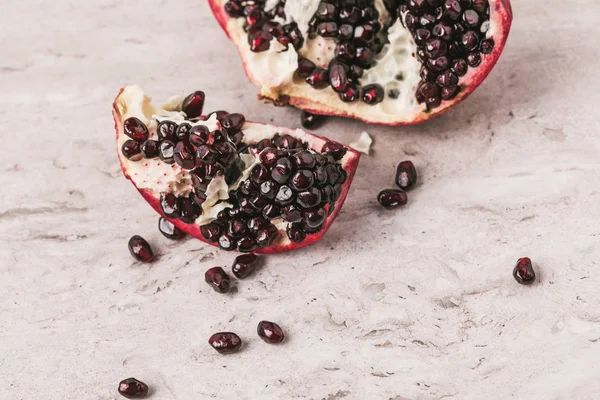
[(500, 17)]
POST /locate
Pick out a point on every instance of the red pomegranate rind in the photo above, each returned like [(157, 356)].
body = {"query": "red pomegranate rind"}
[(315, 142), (500, 18)]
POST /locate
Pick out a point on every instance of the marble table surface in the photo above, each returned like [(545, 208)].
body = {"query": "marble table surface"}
[(417, 303)]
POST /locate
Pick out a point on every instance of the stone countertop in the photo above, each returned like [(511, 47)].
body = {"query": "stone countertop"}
[(417, 303)]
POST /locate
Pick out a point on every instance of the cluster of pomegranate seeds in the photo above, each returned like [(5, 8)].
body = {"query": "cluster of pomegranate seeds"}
[(132, 388), (406, 179), (140, 249), (270, 332), (450, 35), (523, 271), (292, 182), (225, 342)]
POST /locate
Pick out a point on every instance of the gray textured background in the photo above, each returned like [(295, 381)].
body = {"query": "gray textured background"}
[(417, 303)]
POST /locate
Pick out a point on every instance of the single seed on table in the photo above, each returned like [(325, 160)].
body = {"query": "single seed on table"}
[(524, 272), (131, 388), (270, 332)]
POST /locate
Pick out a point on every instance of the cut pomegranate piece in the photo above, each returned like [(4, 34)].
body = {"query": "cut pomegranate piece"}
[(367, 59), (132, 388), (229, 182)]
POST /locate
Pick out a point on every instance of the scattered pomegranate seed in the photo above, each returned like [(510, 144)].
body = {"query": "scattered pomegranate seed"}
[(132, 388), (140, 249), (225, 342), (218, 279), (392, 198), (406, 175), (523, 271), (270, 332), (244, 265)]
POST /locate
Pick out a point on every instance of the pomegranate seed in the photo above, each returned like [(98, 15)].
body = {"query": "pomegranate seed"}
[(131, 150), (406, 175), (244, 265), (523, 271), (132, 388), (169, 230), (233, 123), (135, 129), (225, 342), (487, 46), (149, 149), (392, 198), (185, 155), (350, 95), (336, 150), (319, 78), (140, 249), (218, 279), (193, 104), (296, 232), (305, 67), (372, 94), (270, 332), (259, 40)]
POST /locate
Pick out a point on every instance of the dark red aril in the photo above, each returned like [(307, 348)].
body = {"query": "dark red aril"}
[(372, 94), (319, 78), (270, 332), (336, 150), (189, 210), (198, 135), (350, 95), (170, 205), (233, 123), (311, 121), (244, 265), (211, 232), (225, 342), (140, 249), (296, 232), (169, 230), (131, 388), (167, 130), (184, 155), (406, 175), (524, 272), (149, 149), (305, 67), (193, 104), (131, 150), (166, 151), (135, 129), (392, 198), (218, 279)]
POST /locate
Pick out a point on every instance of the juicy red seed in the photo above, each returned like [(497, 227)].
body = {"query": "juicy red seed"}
[(365, 33), (193, 104), (226, 242), (269, 189), (247, 244), (448, 93), (428, 89), (447, 78), (140, 249), (487, 46), (303, 159), (427, 75), (302, 180), (132, 388), (198, 135), (392, 198), (336, 150), (326, 11), (291, 213), (282, 170), (293, 32), (183, 131), (169, 230), (524, 272), (421, 36), (259, 41), (131, 150), (170, 205), (350, 95), (471, 18), (442, 31), (189, 210), (452, 9), (149, 149), (345, 32), (460, 67), (259, 174), (436, 48), (266, 236), (319, 78), (233, 123), (474, 59), (372, 94), (211, 232), (406, 175), (184, 155), (311, 121), (234, 9), (236, 228), (270, 332), (438, 64), (135, 129), (356, 71), (338, 76), (257, 223), (364, 57), (309, 198), (284, 195), (345, 51), (327, 29), (470, 41), (225, 342), (287, 142), (296, 232), (314, 217), (305, 67), (166, 151), (480, 5), (218, 279), (433, 102)]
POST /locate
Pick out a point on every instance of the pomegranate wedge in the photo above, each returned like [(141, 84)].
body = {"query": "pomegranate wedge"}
[(229, 182), (389, 62)]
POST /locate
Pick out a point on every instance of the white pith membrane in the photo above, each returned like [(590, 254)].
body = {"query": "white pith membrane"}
[(395, 68), (161, 178)]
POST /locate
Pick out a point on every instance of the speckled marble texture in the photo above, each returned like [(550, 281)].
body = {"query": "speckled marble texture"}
[(417, 303)]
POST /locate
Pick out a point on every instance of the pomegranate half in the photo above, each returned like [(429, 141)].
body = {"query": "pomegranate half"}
[(389, 62), (229, 182)]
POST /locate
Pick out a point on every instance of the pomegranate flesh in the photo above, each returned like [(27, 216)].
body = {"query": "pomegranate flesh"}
[(392, 62), (229, 182)]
